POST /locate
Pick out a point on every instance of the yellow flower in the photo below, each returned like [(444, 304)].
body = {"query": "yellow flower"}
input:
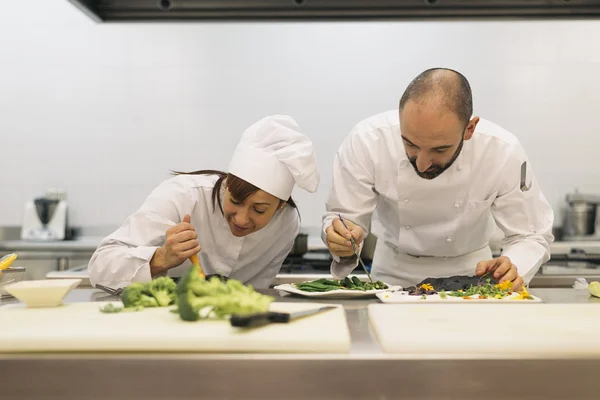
[(7, 260), (426, 286), (524, 295), (506, 285)]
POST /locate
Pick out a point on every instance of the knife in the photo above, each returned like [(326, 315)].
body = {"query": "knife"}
[(261, 319), (355, 248)]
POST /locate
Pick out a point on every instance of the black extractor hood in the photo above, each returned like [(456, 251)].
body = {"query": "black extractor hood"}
[(331, 10)]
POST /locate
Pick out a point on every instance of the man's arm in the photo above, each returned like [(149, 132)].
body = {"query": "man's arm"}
[(525, 217), (351, 195)]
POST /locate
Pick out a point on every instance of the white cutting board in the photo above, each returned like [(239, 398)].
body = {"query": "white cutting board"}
[(82, 327), (488, 330)]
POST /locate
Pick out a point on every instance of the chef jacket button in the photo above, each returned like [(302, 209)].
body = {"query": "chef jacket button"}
[(459, 167), (407, 200), (449, 239), (407, 226), (456, 205)]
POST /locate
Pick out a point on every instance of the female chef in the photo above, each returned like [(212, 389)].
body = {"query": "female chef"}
[(244, 221)]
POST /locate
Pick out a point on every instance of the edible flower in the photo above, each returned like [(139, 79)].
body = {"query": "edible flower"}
[(426, 286), (506, 285), (524, 295)]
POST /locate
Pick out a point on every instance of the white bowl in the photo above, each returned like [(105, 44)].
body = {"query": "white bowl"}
[(42, 293)]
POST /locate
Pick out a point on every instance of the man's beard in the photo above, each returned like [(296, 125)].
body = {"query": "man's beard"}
[(436, 170)]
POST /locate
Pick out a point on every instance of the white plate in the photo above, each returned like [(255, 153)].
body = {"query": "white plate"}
[(404, 297), (337, 294)]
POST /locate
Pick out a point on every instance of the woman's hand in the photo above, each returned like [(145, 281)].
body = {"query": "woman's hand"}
[(181, 243)]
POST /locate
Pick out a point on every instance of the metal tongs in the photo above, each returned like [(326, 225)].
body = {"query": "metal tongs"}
[(117, 292), (355, 248), (111, 291)]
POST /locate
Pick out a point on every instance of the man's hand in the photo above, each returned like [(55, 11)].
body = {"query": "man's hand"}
[(181, 243), (338, 237), (502, 269)]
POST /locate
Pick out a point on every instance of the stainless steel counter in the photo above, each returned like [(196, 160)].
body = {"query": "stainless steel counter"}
[(90, 243), (365, 373), (87, 244)]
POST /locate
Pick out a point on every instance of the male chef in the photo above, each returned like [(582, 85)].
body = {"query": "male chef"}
[(439, 180)]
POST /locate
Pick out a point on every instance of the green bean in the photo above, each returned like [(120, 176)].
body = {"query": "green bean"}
[(319, 285), (357, 281)]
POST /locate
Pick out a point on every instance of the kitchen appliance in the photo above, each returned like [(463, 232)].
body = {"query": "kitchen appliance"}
[(311, 10), (581, 217), (45, 218), (300, 246)]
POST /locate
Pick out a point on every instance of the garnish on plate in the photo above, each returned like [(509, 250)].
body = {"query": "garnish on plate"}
[(326, 285), (468, 288)]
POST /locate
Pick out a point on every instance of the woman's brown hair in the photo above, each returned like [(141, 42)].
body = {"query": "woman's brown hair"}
[(240, 189)]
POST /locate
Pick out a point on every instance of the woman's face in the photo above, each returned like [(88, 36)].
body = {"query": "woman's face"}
[(250, 215)]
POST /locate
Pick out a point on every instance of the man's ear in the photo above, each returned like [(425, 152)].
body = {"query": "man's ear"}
[(470, 129)]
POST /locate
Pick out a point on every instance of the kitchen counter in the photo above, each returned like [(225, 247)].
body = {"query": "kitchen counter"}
[(555, 278), (90, 243), (314, 243), (366, 372)]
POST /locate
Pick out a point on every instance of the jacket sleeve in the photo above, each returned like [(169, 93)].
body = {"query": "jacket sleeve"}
[(124, 256), (525, 217), (352, 195)]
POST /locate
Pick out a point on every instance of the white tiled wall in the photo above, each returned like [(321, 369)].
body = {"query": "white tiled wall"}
[(106, 110)]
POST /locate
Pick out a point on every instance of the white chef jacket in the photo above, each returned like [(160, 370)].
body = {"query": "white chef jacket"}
[(450, 217), (124, 256)]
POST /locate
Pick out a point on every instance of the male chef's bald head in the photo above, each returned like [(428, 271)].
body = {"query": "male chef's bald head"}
[(435, 119), (441, 87)]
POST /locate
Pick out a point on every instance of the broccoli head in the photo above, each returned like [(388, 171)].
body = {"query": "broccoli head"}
[(163, 290), (157, 293), (185, 297), (134, 295), (224, 298)]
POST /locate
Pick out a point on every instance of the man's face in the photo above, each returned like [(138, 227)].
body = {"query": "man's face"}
[(433, 137)]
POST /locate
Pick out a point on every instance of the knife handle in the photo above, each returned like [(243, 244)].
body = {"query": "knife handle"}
[(254, 320)]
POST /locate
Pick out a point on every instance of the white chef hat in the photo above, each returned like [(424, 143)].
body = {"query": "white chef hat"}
[(273, 155)]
